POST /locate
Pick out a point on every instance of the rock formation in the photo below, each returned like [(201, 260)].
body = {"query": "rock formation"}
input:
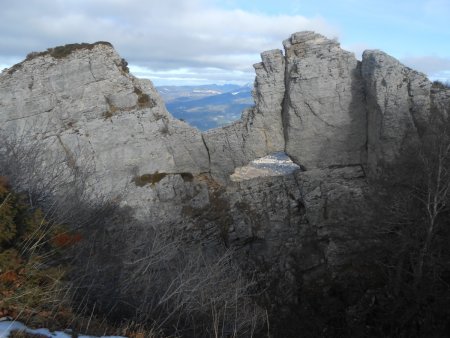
[(398, 107), (338, 118), (260, 130), (87, 106), (325, 117)]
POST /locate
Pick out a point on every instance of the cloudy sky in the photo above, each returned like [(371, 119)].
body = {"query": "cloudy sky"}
[(218, 41)]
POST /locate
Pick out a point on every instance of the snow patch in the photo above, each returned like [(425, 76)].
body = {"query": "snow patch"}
[(275, 164), (6, 327)]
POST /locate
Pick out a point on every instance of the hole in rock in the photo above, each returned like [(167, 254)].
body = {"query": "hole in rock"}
[(275, 164), (207, 106)]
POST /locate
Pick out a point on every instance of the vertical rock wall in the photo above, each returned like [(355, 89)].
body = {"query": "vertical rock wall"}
[(332, 114), (260, 130), (398, 106), (324, 112)]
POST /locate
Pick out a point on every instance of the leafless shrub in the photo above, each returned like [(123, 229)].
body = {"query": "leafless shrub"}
[(126, 270), (158, 277), (29, 167), (412, 232)]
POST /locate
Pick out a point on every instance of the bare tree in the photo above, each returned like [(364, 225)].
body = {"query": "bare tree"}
[(413, 232), (163, 279), (431, 189)]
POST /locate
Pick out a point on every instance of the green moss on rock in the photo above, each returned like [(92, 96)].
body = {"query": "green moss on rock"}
[(60, 52), (144, 100), (151, 179)]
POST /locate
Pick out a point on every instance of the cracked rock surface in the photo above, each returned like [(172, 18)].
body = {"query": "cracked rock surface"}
[(398, 104), (340, 120), (87, 107), (324, 112), (260, 130)]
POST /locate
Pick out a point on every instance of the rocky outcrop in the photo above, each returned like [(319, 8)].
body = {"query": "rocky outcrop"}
[(440, 100), (325, 117), (86, 106), (398, 104), (338, 119), (317, 103), (260, 130)]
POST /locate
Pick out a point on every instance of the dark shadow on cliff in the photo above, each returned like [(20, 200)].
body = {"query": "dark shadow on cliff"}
[(394, 275)]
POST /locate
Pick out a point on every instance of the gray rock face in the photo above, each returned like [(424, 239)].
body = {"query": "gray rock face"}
[(297, 228), (335, 204), (260, 130), (88, 108), (398, 104), (440, 101), (330, 113), (325, 116), (269, 95)]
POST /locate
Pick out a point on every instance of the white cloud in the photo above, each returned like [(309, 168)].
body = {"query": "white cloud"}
[(179, 41), (434, 66), (184, 76), (156, 35)]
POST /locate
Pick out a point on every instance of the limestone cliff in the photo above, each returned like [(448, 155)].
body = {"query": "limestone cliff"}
[(86, 106), (398, 107), (340, 119), (260, 130), (317, 103), (325, 113)]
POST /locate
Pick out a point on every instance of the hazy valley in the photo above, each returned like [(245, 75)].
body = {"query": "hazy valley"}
[(207, 106)]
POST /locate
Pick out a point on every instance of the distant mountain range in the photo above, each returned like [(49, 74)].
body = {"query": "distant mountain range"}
[(207, 106)]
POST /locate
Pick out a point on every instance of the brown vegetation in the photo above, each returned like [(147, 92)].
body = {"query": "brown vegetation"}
[(144, 100), (79, 279)]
